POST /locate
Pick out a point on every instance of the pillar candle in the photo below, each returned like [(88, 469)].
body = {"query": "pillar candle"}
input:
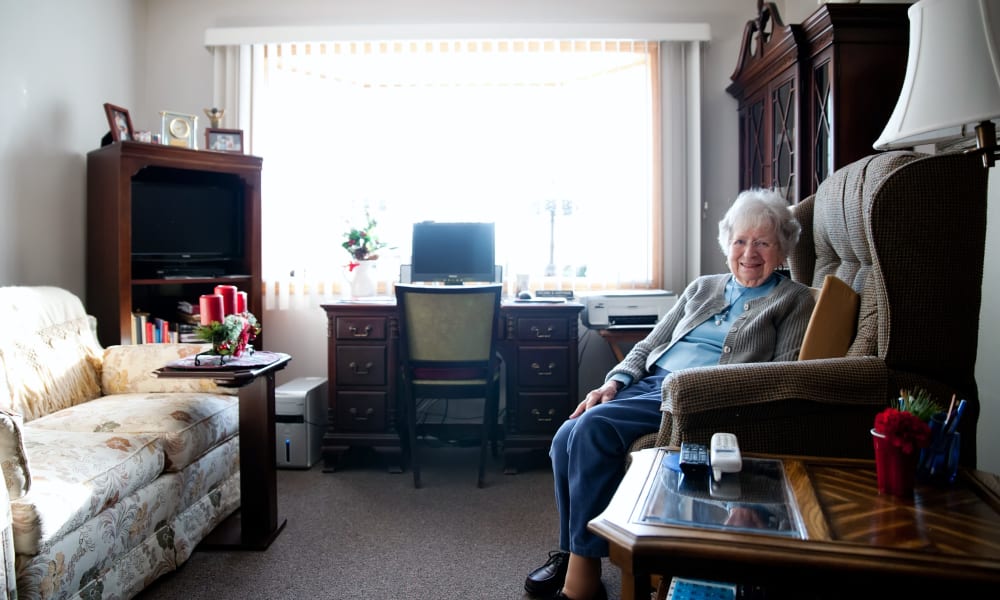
[(241, 302), (211, 308), (228, 293)]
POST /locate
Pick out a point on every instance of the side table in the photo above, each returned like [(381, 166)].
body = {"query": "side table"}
[(843, 539), (255, 524)]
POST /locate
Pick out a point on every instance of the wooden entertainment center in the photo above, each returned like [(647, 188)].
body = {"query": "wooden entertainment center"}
[(118, 282), (538, 345)]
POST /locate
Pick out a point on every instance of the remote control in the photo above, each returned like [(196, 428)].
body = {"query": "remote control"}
[(694, 458), (725, 455)]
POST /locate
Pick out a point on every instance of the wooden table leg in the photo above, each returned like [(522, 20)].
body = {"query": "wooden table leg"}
[(255, 525)]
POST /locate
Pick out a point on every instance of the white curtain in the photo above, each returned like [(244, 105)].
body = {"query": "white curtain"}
[(557, 141)]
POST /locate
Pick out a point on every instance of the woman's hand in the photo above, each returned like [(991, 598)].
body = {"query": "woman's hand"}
[(605, 393)]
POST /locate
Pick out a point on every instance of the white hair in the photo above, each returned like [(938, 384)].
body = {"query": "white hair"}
[(755, 208)]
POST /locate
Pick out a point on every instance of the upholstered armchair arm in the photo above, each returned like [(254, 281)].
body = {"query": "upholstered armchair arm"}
[(818, 407), (128, 369)]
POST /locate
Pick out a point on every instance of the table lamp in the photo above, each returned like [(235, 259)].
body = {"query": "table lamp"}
[(951, 90)]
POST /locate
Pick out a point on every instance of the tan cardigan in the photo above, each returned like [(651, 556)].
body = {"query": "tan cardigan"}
[(771, 329)]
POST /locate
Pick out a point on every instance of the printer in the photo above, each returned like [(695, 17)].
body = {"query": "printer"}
[(626, 308)]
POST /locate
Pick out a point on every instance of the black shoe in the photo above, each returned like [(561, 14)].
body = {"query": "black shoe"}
[(548, 579), (602, 594)]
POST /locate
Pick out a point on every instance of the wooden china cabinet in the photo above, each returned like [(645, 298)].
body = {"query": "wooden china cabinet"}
[(813, 97)]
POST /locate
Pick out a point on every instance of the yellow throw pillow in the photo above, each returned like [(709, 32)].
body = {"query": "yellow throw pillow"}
[(833, 323)]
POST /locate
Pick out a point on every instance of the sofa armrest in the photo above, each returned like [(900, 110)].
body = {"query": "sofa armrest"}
[(129, 369), (8, 575), (820, 407)]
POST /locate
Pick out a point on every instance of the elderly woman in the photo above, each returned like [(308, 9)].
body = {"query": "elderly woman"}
[(752, 314)]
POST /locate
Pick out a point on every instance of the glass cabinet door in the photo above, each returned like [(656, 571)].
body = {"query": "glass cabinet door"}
[(783, 141)]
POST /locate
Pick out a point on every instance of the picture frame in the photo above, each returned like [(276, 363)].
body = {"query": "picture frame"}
[(120, 123), (224, 140)]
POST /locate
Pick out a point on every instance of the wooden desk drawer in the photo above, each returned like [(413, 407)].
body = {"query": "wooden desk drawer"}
[(541, 412), (542, 328), (361, 365), (543, 366), (366, 328), (360, 411)]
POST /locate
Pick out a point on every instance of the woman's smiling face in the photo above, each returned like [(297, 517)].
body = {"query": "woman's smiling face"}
[(753, 255)]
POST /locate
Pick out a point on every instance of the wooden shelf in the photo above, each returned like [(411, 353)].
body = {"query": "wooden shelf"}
[(115, 286)]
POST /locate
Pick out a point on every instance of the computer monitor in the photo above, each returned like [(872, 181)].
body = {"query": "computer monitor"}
[(453, 253)]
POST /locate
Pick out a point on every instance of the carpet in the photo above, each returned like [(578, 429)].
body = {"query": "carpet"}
[(363, 533)]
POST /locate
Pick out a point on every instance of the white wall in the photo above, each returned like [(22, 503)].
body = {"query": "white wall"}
[(60, 60)]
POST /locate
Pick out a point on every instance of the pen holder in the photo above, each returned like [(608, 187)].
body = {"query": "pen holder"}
[(939, 461)]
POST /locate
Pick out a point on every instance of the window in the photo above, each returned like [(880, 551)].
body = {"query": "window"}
[(554, 141)]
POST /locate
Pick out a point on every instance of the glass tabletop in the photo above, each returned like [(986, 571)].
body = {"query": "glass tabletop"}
[(755, 500)]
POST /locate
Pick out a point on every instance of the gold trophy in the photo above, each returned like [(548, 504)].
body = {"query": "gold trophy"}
[(215, 116)]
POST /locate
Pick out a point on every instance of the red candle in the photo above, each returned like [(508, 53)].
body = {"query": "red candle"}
[(241, 302), (228, 293), (211, 308)]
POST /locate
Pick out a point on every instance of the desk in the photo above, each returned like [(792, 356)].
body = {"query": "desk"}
[(943, 541), (255, 525), (538, 345), (616, 337)]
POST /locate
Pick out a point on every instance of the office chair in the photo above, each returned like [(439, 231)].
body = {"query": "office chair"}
[(448, 337)]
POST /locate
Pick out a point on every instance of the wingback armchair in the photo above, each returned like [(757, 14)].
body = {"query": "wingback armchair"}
[(907, 232)]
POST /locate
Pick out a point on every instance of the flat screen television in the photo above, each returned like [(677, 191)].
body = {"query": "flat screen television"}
[(188, 227), (453, 253)]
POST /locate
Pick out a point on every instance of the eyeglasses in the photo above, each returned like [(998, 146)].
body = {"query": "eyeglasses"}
[(755, 244)]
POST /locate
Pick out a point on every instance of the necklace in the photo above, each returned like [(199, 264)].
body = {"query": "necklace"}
[(722, 316)]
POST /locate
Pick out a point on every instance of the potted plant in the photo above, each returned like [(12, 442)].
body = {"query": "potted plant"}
[(363, 245), (899, 436)]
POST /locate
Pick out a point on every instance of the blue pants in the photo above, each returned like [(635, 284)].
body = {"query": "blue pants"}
[(588, 459)]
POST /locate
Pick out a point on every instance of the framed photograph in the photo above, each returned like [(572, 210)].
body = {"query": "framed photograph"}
[(178, 129), (224, 140), (120, 122)]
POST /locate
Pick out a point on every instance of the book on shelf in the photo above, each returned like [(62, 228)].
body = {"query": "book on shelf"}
[(151, 330), (186, 333)]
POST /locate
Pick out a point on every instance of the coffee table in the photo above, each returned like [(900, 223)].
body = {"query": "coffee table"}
[(831, 533)]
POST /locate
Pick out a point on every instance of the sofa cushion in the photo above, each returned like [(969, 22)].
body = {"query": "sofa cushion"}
[(13, 459), (50, 357), (189, 424), (130, 369), (74, 477)]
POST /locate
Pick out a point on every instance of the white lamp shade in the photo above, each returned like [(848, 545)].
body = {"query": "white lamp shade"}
[(952, 80)]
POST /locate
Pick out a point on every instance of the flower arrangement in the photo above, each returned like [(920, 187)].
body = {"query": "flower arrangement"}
[(902, 429), (232, 335), (363, 244)]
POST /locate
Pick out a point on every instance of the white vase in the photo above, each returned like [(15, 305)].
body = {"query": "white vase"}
[(363, 279)]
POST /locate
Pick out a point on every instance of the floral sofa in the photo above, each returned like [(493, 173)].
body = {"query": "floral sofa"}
[(112, 475)]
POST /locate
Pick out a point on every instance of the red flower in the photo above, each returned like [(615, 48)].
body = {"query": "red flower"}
[(902, 429)]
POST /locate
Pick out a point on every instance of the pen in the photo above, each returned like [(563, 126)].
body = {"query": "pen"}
[(958, 417)]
